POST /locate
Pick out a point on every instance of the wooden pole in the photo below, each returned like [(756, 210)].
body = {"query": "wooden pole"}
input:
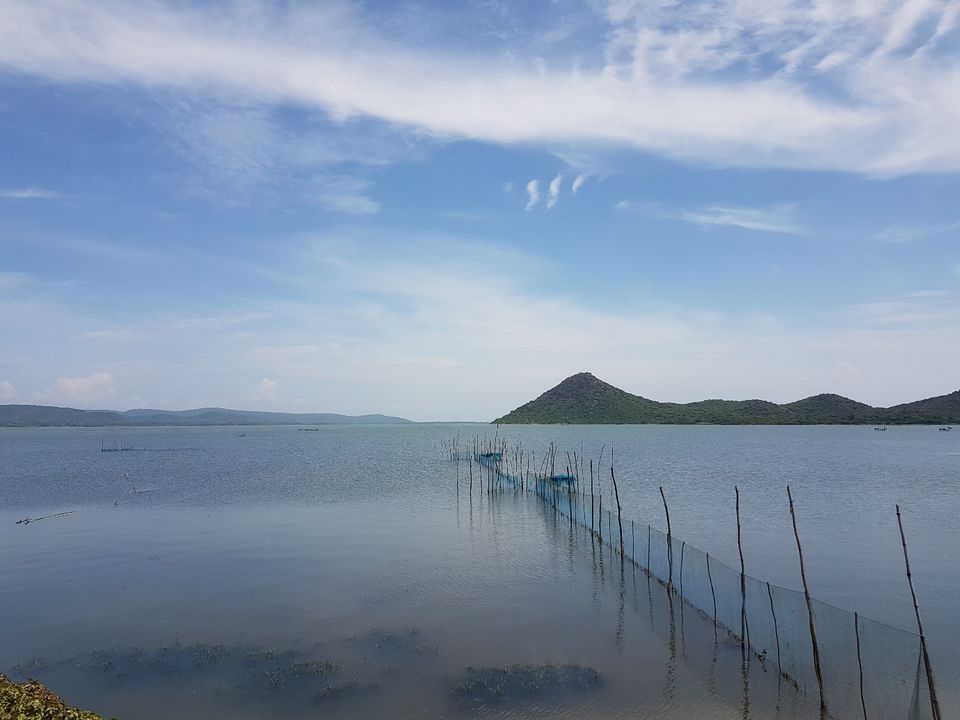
[(683, 546), (713, 593), (649, 533), (616, 493), (744, 631), (935, 705), (776, 631), (666, 511), (806, 594), (856, 630), (591, 495)]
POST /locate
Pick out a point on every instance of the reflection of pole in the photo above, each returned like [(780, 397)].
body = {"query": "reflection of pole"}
[(806, 595), (923, 640)]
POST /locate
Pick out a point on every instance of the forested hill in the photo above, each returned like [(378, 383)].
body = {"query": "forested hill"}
[(584, 399), (44, 416)]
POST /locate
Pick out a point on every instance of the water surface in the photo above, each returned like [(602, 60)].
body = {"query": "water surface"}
[(224, 572)]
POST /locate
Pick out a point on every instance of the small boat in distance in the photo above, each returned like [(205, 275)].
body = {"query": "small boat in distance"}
[(946, 428), (880, 428)]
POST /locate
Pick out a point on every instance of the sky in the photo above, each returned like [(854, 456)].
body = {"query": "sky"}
[(439, 210)]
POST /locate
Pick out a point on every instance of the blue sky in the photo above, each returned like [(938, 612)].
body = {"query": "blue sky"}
[(439, 211)]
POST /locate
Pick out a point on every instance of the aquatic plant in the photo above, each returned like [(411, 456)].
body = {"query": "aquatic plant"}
[(32, 701), (522, 682), (349, 688)]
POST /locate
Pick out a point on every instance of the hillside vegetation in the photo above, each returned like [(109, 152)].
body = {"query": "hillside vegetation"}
[(584, 399), (44, 416)]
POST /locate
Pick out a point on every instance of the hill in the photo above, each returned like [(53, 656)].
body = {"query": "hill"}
[(585, 399), (44, 416)]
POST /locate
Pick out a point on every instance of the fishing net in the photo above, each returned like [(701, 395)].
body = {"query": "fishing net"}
[(866, 669)]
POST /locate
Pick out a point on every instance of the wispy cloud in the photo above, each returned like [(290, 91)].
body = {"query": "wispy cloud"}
[(578, 182), (666, 79), (29, 194), (930, 293), (773, 219), (346, 195), (553, 192), (904, 234), (533, 194)]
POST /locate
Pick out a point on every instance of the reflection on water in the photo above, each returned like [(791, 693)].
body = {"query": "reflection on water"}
[(337, 575)]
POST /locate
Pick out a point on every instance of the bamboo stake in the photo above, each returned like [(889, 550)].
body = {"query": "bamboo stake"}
[(648, 549), (666, 511), (806, 594), (935, 705), (683, 546), (744, 631), (713, 595), (591, 494), (856, 630), (776, 631), (616, 493)]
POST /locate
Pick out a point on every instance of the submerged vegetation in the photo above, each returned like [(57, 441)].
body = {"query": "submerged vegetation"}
[(585, 399), (526, 682), (32, 701)]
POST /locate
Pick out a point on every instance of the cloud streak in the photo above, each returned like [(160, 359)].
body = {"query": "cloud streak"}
[(662, 83), (553, 192), (774, 220), (29, 194), (533, 194)]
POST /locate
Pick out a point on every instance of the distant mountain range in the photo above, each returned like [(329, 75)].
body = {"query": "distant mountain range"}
[(584, 399), (44, 416)]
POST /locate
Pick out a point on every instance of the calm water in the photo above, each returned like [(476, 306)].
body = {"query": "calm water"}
[(265, 572)]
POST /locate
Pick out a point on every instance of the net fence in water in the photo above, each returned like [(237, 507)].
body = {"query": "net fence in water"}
[(867, 669)]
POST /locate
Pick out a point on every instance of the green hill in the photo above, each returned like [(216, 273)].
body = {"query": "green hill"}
[(44, 416), (584, 399)]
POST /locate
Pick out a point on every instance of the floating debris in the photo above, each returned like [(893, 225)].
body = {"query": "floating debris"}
[(28, 520)]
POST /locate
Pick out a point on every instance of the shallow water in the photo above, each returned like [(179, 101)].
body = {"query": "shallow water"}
[(338, 574)]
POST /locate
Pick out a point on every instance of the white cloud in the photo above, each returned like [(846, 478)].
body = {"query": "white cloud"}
[(95, 387), (578, 182), (29, 194), (8, 393), (533, 194), (371, 321), (266, 391), (553, 192), (773, 219), (667, 79)]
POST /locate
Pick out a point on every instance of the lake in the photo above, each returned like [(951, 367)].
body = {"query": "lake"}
[(272, 571)]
